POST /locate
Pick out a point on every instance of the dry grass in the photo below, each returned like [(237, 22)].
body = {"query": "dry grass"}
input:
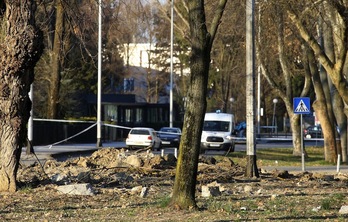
[(283, 157)]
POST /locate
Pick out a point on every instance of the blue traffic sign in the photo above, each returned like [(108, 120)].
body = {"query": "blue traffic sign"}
[(302, 105)]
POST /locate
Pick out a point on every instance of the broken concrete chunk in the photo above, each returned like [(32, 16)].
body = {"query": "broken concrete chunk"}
[(77, 189)]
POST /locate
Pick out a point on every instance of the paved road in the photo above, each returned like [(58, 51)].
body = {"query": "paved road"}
[(63, 152)]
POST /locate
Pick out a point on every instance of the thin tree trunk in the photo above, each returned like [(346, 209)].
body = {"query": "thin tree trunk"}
[(56, 55), (296, 133)]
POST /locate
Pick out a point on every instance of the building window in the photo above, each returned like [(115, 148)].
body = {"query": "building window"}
[(110, 112), (129, 115), (139, 115)]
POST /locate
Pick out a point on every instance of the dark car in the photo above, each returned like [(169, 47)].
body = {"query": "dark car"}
[(313, 132), (170, 136)]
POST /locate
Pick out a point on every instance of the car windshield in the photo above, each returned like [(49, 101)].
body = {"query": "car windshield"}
[(221, 126), (140, 132), (167, 130)]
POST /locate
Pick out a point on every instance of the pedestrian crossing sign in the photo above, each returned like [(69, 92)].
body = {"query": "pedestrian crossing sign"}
[(302, 105)]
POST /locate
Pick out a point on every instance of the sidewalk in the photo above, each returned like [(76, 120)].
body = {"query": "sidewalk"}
[(30, 159), (318, 169), (63, 151)]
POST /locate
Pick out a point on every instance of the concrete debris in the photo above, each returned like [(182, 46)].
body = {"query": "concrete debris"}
[(144, 192), (210, 191), (77, 189), (343, 209)]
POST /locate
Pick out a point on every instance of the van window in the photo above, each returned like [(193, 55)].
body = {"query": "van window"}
[(220, 126)]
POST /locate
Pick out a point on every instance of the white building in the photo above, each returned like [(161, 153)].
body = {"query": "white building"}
[(147, 61), (143, 55)]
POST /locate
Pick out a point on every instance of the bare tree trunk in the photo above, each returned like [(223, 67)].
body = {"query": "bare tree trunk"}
[(343, 141), (333, 99), (187, 165), (56, 56), (296, 133), (321, 109), (25, 43), (186, 171)]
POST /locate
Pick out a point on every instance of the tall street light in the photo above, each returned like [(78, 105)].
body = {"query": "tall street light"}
[(251, 168), (259, 72), (99, 143), (231, 102), (171, 63), (274, 108)]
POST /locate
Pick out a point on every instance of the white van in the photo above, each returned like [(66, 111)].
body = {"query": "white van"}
[(217, 132)]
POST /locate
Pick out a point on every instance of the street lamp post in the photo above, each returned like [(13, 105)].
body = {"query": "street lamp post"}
[(274, 108), (171, 63), (231, 102), (99, 123)]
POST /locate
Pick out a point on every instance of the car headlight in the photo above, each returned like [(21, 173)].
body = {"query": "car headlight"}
[(229, 137)]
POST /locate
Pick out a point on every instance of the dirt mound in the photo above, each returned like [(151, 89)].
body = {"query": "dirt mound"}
[(133, 186), (102, 166)]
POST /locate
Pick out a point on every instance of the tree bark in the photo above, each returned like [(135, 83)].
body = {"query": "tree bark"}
[(321, 110), (56, 55), (20, 50), (296, 133), (186, 171), (187, 165), (335, 103), (330, 152)]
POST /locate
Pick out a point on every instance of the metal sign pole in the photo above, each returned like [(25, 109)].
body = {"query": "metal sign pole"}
[(302, 150), (302, 106)]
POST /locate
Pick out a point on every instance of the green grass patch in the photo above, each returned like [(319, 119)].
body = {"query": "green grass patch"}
[(164, 201), (283, 157), (332, 201), (27, 188)]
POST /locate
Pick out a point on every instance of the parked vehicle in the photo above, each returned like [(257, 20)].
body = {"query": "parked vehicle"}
[(143, 137), (217, 132), (170, 136), (313, 132)]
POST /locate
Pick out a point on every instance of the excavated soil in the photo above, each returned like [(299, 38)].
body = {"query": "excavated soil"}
[(136, 186)]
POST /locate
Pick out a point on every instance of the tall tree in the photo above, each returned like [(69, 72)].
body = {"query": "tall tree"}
[(56, 60), (201, 43), (333, 60), (20, 49), (321, 109), (278, 61)]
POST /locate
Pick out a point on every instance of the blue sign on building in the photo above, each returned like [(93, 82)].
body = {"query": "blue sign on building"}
[(302, 105)]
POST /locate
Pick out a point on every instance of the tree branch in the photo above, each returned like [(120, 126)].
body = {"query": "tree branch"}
[(217, 20)]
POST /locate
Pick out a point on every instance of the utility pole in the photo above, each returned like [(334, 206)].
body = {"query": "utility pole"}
[(30, 149), (259, 74), (99, 143), (171, 63), (251, 168)]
